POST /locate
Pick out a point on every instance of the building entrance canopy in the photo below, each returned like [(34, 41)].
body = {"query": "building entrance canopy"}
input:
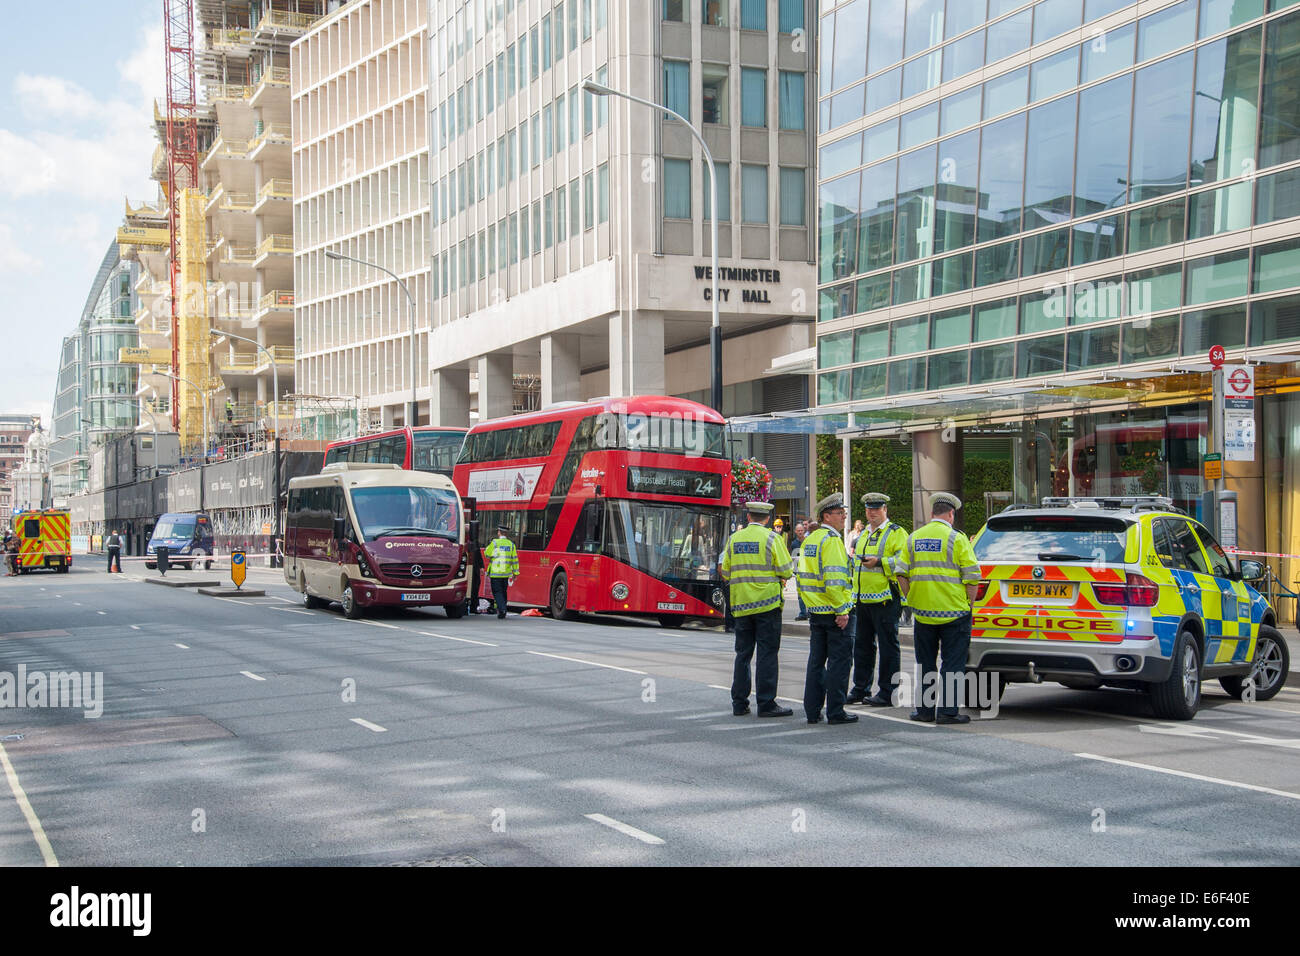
[(1012, 401)]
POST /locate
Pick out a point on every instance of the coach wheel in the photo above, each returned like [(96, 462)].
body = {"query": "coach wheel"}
[(1272, 662), (351, 609), (560, 598), (455, 609)]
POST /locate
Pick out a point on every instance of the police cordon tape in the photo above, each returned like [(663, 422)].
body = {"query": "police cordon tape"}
[(1261, 554)]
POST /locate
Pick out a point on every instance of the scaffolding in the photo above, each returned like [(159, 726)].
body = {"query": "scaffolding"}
[(323, 417)]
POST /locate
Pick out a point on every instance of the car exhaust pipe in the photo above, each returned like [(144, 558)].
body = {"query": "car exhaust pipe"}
[(1033, 675), (1125, 663)]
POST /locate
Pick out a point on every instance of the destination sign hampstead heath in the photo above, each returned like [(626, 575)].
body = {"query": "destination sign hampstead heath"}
[(670, 481)]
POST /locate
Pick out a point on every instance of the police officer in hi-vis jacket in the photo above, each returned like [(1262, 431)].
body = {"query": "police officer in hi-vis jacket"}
[(876, 593), (756, 566), (503, 565), (823, 582)]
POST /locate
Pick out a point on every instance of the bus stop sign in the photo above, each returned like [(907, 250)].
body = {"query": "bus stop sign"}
[(238, 567)]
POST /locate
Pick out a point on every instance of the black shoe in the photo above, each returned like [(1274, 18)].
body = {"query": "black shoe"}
[(843, 719), (952, 719), (921, 716), (856, 697), (776, 712), (878, 701), (501, 617), (815, 720), (740, 711), (801, 617)]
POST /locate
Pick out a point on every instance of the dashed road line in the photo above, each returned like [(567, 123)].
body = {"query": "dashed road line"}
[(391, 627), (1193, 776), (290, 610), (251, 676), (625, 829), (463, 640), (135, 627), (579, 660), (101, 612), (33, 821), (184, 647), (368, 725)]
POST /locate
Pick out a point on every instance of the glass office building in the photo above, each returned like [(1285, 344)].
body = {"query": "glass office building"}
[(1035, 219)]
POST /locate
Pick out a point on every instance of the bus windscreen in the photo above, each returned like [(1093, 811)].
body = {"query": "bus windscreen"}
[(666, 541), (407, 512)]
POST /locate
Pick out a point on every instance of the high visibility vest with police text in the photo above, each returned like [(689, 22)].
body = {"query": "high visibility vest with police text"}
[(503, 558), (938, 563), (823, 575), (872, 585), (755, 565)]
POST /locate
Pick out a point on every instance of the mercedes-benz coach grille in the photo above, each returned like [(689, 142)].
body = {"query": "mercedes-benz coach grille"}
[(419, 573)]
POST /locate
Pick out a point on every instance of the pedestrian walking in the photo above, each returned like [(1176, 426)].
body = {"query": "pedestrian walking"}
[(476, 573), (502, 567), (114, 546), (939, 576), (800, 533), (878, 600), (756, 565), (823, 581), (12, 546)]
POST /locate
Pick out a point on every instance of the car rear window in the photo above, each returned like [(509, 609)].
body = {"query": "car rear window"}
[(1064, 537)]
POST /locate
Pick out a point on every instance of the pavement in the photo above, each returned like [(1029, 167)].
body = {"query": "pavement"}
[(259, 732)]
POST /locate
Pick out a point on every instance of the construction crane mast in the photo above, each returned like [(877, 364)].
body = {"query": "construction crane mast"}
[(182, 149)]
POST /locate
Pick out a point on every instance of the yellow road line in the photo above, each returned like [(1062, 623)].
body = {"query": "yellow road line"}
[(33, 821)]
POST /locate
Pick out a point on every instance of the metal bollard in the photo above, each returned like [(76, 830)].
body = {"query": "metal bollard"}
[(163, 553)]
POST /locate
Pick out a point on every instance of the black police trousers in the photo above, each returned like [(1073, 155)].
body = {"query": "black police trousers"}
[(499, 587), (761, 631), (940, 685), (114, 557), (877, 628), (830, 654)]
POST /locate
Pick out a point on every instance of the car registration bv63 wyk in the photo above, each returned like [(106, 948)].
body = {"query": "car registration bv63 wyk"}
[(1121, 592)]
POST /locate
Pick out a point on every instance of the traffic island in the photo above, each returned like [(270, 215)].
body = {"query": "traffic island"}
[(232, 592), (181, 583)]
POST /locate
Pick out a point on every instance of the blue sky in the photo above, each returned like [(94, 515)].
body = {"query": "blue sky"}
[(76, 88)]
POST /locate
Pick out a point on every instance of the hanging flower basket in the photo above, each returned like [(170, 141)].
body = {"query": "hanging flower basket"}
[(750, 481)]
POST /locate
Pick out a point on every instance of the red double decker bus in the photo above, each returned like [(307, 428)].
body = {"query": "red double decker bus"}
[(617, 506), (431, 448)]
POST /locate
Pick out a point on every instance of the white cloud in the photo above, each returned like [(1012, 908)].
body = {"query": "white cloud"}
[(142, 71), (13, 257), (52, 96)]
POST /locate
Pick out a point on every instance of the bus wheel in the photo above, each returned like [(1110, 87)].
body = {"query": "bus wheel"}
[(560, 598), (671, 620), (351, 609), (455, 609)]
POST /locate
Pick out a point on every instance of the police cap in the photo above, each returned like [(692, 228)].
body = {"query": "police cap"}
[(503, 529), (943, 498), (759, 507), (829, 503), (875, 499)]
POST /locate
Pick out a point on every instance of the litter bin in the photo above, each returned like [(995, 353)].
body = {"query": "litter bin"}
[(162, 552)]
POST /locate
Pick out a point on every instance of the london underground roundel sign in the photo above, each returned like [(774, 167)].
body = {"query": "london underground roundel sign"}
[(1217, 356)]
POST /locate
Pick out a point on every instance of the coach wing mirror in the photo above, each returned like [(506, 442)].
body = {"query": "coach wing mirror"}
[(472, 533), (340, 529), (1251, 570)]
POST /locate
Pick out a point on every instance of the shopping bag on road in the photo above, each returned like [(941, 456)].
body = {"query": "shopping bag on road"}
[(531, 612)]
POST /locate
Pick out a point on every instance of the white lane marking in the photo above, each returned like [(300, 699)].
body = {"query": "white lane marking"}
[(1192, 776), (135, 627), (369, 726), (720, 687), (276, 597), (101, 612), (290, 610), (392, 627), (251, 676), (184, 647), (1209, 732), (463, 640), (625, 829), (33, 821), (579, 660)]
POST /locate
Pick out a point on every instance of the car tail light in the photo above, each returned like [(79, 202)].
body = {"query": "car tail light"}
[(1136, 591), (982, 591)]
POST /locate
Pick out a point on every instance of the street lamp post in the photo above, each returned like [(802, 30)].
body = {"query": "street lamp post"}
[(205, 392), (275, 419), (715, 330), (410, 301)]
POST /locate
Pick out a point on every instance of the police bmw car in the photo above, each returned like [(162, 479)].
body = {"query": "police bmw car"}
[(1121, 592)]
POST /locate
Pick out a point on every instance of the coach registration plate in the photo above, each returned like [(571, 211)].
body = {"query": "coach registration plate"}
[(667, 606), (414, 596)]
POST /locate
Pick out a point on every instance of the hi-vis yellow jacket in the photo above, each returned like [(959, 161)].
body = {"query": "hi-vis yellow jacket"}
[(502, 557), (823, 575), (756, 564), (938, 562), (871, 585)]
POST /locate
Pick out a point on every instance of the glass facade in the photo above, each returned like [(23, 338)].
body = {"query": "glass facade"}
[(1093, 202)]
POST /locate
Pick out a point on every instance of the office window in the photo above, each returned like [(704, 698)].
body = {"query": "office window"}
[(511, 152), (602, 192), (753, 194), (723, 172), (510, 69), (753, 14), (534, 134), (714, 13), (588, 201), (534, 61), (677, 87), (586, 19), (677, 189), (1227, 76), (575, 208), (792, 197), (548, 220), (523, 146), (537, 226), (548, 132), (790, 16), (514, 238), (715, 93), (559, 122), (547, 42), (502, 90), (575, 105), (753, 97), (573, 24), (791, 100), (1279, 136), (924, 24), (561, 214), (602, 105), (675, 10)]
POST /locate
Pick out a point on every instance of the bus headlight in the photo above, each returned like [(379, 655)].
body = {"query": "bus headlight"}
[(717, 597), (619, 591), (363, 567)]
